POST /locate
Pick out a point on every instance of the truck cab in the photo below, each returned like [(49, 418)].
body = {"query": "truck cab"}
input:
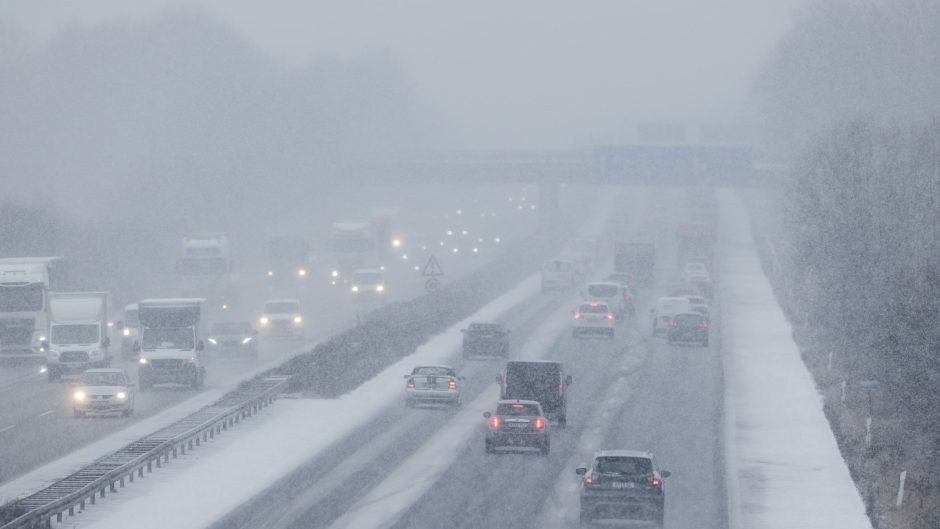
[(129, 328), (171, 344), (25, 283), (78, 333)]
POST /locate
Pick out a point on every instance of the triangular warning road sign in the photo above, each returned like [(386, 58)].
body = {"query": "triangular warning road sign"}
[(432, 268)]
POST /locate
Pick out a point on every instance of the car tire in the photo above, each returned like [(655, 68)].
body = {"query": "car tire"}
[(78, 414), (584, 520), (490, 448), (545, 448), (575, 333), (53, 374), (610, 335), (705, 343), (563, 422), (409, 403), (128, 412)]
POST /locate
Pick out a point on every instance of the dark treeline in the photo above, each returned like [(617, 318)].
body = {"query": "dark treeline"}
[(850, 100), (180, 117)]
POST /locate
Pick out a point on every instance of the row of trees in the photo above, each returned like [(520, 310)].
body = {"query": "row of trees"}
[(850, 100)]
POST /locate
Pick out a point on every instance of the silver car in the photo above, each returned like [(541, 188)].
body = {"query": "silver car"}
[(103, 391), (517, 424), (433, 385)]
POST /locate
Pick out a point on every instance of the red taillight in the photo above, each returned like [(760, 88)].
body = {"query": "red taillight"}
[(411, 384), (654, 482), (494, 422), (539, 423), (577, 316), (589, 480), (610, 316), (518, 406), (703, 325), (451, 385)]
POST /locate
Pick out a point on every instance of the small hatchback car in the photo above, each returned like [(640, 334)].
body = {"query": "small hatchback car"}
[(103, 391), (622, 485), (688, 327), (517, 424), (593, 318)]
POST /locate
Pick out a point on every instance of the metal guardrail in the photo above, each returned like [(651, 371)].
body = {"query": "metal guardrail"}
[(114, 470)]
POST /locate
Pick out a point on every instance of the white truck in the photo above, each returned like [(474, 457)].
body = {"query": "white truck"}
[(558, 274), (206, 269), (25, 283), (351, 244), (171, 346), (78, 333)]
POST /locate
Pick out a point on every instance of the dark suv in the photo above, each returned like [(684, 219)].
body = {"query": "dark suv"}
[(485, 339), (540, 381), (622, 485), (688, 327)]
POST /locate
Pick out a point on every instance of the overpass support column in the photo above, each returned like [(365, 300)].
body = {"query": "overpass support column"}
[(549, 209)]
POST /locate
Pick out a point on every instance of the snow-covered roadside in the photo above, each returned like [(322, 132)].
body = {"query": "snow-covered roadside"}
[(784, 469), (297, 432), (67, 464)]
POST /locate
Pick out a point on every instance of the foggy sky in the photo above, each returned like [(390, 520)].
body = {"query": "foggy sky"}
[(527, 73)]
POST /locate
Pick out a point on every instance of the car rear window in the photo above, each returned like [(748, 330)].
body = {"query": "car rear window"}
[(557, 266), (626, 466), (485, 328), (532, 377), (231, 328), (688, 319), (281, 307), (434, 370), (593, 308), (525, 410), (603, 291)]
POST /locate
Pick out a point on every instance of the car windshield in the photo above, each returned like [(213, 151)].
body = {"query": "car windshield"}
[(131, 318), (603, 291), (103, 378), (203, 266), (529, 378), (433, 370), (74, 334), (625, 466), (231, 328), (367, 278), (518, 409), (593, 308), (182, 338), (696, 300), (281, 307), (21, 298)]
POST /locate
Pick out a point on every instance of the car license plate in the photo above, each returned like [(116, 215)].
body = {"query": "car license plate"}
[(517, 424), (623, 484)]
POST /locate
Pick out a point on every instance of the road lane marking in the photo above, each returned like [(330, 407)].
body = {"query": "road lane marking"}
[(43, 414), (6, 428)]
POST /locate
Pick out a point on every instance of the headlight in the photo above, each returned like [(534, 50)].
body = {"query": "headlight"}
[(213, 342), (42, 338), (380, 288), (301, 272), (126, 332), (79, 395), (335, 273), (110, 324), (396, 243), (143, 360), (264, 320), (121, 395), (246, 340), (298, 319), (355, 288), (270, 273)]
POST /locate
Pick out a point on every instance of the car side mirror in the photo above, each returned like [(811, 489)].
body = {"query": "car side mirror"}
[(665, 473), (580, 471), (487, 415), (106, 342), (568, 380), (406, 376), (200, 346)]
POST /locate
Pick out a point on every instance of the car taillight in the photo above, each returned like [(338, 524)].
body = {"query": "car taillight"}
[(654, 482), (610, 316), (590, 480), (539, 423), (494, 422), (451, 385), (411, 384), (703, 325), (577, 316)]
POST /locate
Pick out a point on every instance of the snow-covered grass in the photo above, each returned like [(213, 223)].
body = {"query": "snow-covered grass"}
[(784, 469), (191, 495)]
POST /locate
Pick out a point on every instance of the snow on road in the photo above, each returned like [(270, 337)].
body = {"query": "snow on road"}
[(298, 431), (784, 466)]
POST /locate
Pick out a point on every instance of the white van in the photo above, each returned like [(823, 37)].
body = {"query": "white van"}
[(613, 294), (666, 308), (557, 274)]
